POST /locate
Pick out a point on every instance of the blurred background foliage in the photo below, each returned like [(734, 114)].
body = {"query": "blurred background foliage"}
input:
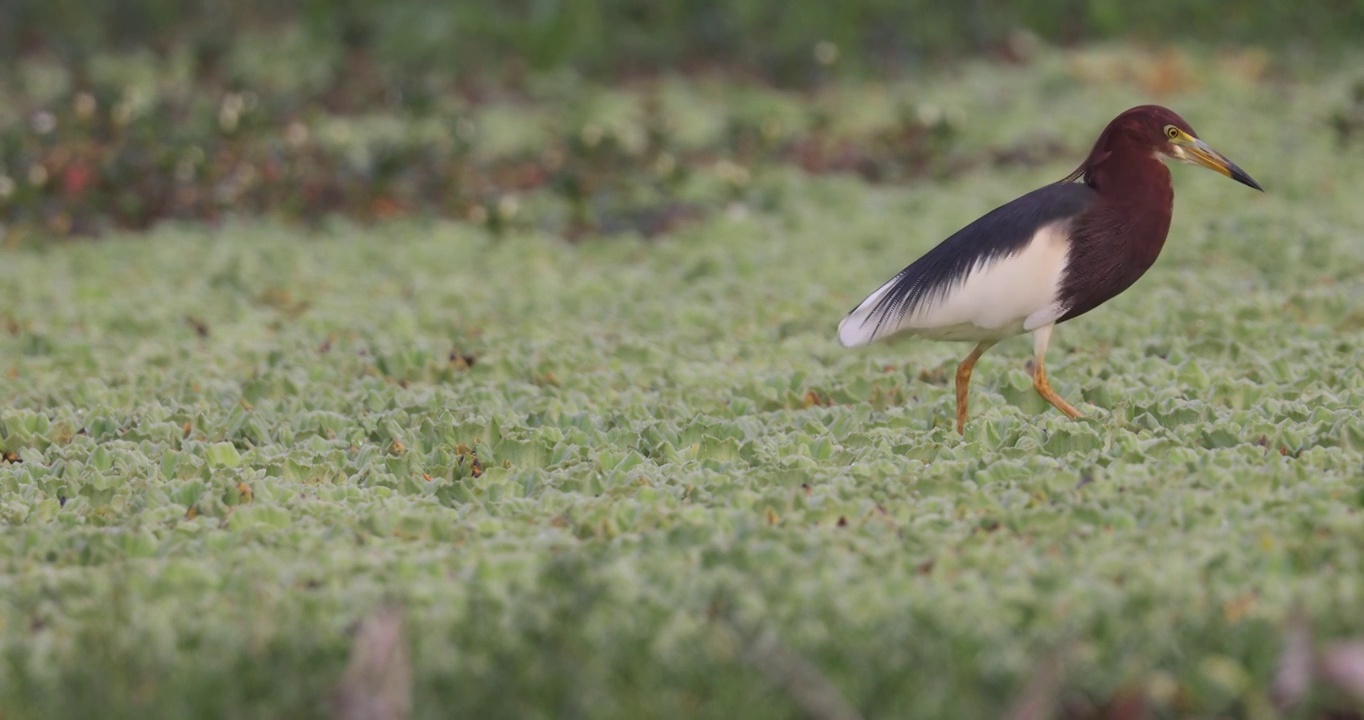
[(610, 37), (118, 114)]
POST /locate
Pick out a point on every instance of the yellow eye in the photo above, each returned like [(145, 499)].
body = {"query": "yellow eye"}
[(1171, 132)]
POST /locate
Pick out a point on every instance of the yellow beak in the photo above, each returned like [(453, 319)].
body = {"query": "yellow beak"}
[(1199, 152)]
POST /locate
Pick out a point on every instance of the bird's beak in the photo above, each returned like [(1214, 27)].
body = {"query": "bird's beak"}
[(1199, 152)]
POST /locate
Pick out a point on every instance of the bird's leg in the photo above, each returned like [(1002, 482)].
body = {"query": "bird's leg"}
[(964, 381), (1040, 338)]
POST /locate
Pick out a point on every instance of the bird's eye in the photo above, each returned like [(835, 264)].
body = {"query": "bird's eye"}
[(1171, 132)]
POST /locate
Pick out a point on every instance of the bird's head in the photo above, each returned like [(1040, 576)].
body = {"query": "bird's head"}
[(1165, 133)]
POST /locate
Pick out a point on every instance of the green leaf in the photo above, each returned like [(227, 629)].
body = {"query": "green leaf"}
[(223, 454)]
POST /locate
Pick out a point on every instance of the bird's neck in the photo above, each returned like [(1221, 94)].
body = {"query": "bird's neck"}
[(1133, 176), (1123, 232), (1139, 184)]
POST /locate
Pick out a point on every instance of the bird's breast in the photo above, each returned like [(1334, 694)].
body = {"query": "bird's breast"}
[(1112, 247)]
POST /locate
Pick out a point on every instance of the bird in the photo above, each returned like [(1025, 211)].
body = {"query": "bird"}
[(1046, 257)]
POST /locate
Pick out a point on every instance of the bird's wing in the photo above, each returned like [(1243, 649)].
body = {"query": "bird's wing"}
[(965, 281)]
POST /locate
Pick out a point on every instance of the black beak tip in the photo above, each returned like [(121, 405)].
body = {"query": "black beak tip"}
[(1240, 176)]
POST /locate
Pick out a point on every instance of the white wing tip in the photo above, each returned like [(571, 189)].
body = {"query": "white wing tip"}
[(854, 331), (857, 328)]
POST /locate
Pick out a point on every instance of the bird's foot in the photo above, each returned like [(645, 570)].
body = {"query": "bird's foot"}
[(1043, 388)]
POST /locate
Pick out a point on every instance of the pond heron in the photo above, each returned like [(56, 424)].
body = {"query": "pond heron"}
[(1049, 256)]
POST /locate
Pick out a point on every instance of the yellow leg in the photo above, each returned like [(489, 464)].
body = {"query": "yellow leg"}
[(964, 381), (1041, 337)]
